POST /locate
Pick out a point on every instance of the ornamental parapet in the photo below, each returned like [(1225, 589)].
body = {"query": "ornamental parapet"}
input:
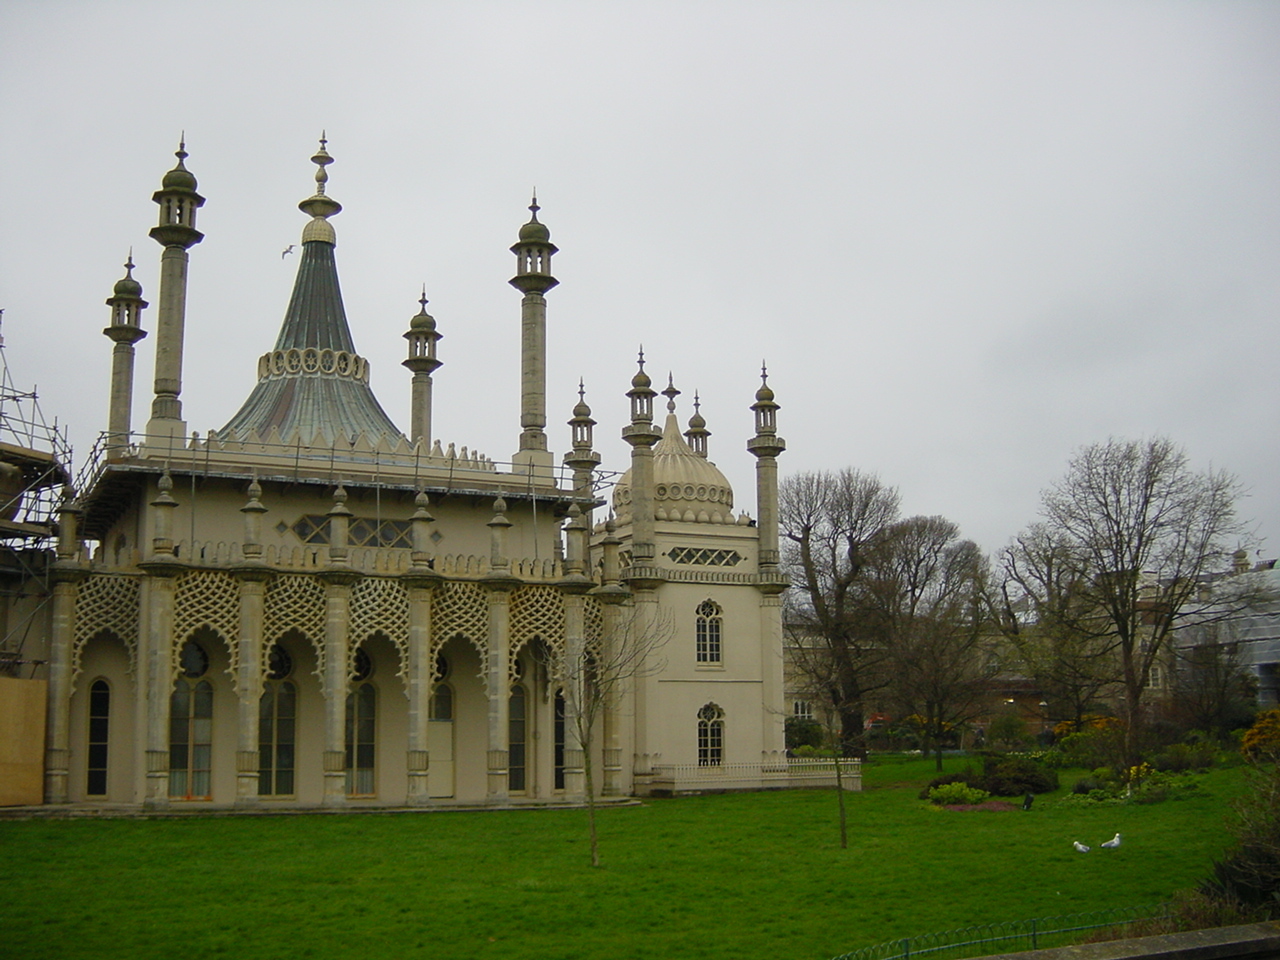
[(326, 362)]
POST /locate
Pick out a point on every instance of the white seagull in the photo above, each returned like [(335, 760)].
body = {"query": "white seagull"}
[(1079, 846), (287, 250), (1113, 842)]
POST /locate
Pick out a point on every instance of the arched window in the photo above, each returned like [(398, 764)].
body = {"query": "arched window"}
[(710, 736), (277, 724), (708, 631), (99, 728), (516, 738), (442, 692), (362, 708), (559, 740), (191, 727)]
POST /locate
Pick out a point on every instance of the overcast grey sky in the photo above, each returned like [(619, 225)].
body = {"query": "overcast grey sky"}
[(968, 237)]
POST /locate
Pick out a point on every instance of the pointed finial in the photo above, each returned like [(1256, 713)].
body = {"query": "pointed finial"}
[(671, 393), (423, 299), (533, 207), (181, 152), (128, 265)]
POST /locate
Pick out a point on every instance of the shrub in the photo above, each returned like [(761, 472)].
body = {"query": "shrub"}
[(1179, 757), (966, 778), (1015, 776), (951, 794), (801, 732)]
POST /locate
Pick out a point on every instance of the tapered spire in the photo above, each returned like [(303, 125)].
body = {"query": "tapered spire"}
[(314, 383)]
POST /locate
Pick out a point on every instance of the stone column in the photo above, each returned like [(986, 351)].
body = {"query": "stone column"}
[(250, 681), (420, 586), (57, 735), (162, 569), (498, 687), (334, 683)]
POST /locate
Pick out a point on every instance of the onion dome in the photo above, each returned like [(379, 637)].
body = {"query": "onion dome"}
[(686, 486), (533, 231), (179, 178), (423, 321), (126, 286)]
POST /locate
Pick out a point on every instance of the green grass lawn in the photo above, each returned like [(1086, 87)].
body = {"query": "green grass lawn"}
[(737, 876)]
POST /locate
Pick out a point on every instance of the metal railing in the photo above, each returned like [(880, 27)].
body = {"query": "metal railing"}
[(1007, 937)]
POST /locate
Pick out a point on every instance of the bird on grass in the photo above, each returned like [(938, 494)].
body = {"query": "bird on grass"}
[(287, 250), (1113, 842), (1079, 846)]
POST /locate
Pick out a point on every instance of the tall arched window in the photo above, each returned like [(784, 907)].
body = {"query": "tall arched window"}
[(191, 728), (559, 740), (362, 709), (442, 692), (708, 631), (277, 724), (710, 736), (99, 729), (516, 739)]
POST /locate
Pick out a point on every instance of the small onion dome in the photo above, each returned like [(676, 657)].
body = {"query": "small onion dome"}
[(697, 421), (422, 320), (685, 486), (641, 379), (764, 394), (581, 409), (533, 231), (126, 286), (179, 178)]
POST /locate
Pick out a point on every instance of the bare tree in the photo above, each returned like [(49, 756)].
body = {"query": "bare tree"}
[(628, 649), (830, 522), (1213, 689), (1042, 604), (1141, 531), (928, 591)]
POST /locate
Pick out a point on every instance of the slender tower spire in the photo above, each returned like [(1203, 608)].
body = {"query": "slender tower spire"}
[(765, 446), (697, 433), (422, 337), (533, 278), (642, 435), (126, 305), (582, 459), (177, 233)]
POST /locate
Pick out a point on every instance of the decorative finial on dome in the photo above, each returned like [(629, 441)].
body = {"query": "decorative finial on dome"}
[(322, 160), (582, 409), (319, 206), (641, 379), (764, 393), (671, 393), (423, 299), (533, 207)]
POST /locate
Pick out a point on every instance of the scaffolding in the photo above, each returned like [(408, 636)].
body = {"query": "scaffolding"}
[(35, 460)]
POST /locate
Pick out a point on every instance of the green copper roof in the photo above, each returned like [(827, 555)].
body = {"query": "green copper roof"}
[(313, 383)]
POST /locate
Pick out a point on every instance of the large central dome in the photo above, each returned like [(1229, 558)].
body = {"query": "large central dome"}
[(686, 486)]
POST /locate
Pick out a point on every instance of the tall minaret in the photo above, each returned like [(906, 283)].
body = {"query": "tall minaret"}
[(126, 305), (766, 445), (533, 278), (422, 337), (177, 233), (642, 435)]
